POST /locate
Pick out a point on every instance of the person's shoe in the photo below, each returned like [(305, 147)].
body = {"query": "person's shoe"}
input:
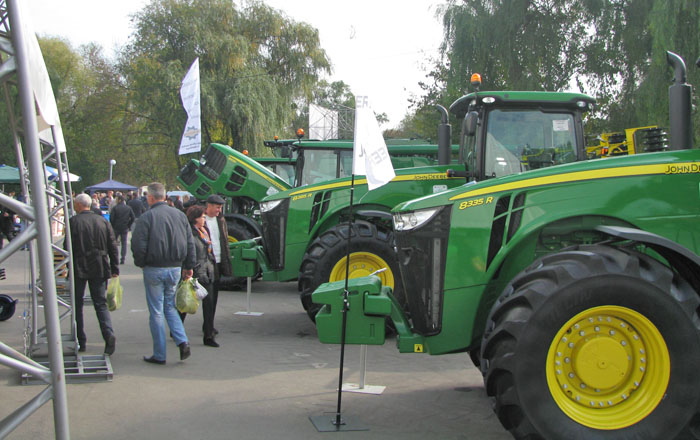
[(121, 262), (184, 351), (110, 345), (81, 346), (210, 342), (153, 360)]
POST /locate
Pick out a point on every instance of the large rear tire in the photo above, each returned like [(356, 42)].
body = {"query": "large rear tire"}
[(595, 342), (371, 249)]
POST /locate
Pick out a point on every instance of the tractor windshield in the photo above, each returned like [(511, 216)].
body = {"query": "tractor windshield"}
[(522, 140), (325, 165)]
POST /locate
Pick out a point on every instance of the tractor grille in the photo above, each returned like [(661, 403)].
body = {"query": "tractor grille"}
[(516, 215), (422, 252), (187, 174), (203, 191), (498, 227), (274, 226), (320, 206), (214, 162), (505, 214), (237, 179)]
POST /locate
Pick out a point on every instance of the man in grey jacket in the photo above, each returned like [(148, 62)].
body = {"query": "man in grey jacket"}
[(163, 246)]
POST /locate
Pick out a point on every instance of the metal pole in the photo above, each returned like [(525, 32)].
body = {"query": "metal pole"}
[(45, 254), (363, 365), (338, 421)]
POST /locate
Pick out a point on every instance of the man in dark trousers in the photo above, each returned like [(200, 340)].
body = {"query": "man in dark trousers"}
[(94, 262), (216, 224), (121, 217), (162, 244)]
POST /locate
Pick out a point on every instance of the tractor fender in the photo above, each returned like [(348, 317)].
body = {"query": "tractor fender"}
[(249, 224), (682, 259)]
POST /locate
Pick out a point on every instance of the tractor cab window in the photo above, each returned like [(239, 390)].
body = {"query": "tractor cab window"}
[(522, 140), (284, 170), (322, 165)]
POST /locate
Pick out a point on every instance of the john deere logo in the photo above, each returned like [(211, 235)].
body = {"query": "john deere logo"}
[(686, 168)]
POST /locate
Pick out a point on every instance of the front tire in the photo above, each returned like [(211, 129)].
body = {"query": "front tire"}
[(595, 342), (370, 249)]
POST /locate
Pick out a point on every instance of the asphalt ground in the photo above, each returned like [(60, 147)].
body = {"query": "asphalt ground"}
[(268, 377)]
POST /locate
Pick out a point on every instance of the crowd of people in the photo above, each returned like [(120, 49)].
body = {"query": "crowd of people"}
[(171, 240)]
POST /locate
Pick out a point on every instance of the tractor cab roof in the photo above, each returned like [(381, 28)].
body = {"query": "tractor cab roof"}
[(575, 101)]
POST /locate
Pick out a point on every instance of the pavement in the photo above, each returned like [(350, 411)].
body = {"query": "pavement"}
[(267, 379)]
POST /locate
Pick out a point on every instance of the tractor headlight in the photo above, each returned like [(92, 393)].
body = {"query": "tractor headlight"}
[(269, 206), (404, 221)]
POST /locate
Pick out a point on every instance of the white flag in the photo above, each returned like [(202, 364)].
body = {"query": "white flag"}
[(189, 93), (370, 155)]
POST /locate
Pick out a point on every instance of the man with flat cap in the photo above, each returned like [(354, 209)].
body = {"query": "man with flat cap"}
[(216, 224)]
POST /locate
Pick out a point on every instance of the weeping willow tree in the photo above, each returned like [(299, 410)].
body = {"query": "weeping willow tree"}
[(254, 63), (611, 49)]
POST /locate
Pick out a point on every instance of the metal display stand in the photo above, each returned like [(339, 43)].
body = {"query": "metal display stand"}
[(247, 309), (336, 423), (362, 387)]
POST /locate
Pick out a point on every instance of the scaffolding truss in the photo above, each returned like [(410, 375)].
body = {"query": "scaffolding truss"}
[(32, 109)]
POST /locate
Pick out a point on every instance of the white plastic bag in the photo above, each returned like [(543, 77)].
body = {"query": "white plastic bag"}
[(200, 291)]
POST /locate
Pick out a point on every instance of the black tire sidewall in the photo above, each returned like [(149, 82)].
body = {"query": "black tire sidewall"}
[(678, 331), (359, 242)]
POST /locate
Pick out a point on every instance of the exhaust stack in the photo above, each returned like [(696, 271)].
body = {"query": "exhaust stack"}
[(444, 137), (679, 103)]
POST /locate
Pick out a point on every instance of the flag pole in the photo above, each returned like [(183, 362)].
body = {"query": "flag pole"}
[(338, 420)]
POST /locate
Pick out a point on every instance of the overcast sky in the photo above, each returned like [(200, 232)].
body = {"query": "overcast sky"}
[(378, 47)]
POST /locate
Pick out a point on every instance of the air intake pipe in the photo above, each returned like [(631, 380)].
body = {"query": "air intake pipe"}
[(679, 106), (444, 137)]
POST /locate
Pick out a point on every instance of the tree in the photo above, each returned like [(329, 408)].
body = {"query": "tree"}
[(611, 49), (254, 64)]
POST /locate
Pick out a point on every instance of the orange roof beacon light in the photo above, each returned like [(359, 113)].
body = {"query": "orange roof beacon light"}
[(300, 133), (476, 81), (246, 152), (276, 138)]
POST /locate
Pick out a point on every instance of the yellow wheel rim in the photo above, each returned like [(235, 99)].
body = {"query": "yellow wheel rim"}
[(608, 367), (232, 239), (361, 265)]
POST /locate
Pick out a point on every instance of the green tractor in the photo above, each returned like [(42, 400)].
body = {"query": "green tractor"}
[(575, 288), (305, 228), (245, 181)]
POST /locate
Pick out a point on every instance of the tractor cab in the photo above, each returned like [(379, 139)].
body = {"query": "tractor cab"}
[(510, 132)]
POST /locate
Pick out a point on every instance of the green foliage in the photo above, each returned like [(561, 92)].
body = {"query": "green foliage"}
[(611, 49), (254, 64)]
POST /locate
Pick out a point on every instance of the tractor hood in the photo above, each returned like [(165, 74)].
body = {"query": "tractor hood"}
[(223, 170), (640, 164)]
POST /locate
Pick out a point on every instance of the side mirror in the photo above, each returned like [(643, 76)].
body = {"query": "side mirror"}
[(470, 123)]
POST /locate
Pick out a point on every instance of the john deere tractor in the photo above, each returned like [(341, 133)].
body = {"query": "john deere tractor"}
[(245, 181), (575, 288), (305, 229)]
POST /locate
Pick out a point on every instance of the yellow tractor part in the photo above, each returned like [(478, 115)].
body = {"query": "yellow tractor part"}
[(617, 143), (608, 367), (363, 264)]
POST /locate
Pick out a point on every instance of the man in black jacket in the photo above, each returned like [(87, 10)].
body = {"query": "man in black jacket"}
[(162, 244), (136, 205), (121, 217), (94, 262)]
